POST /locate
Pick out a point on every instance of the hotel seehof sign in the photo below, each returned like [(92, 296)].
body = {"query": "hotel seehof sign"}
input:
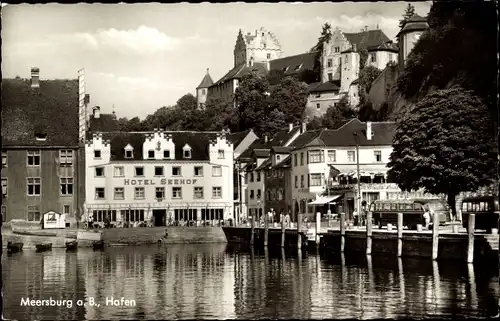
[(159, 181)]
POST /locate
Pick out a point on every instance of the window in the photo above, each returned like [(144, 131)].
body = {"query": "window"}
[(151, 154), (329, 63), (251, 194), (160, 192), (67, 186), (4, 187), (268, 56), (66, 209), (278, 157), (34, 186), (198, 171), (139, 171), (295, 159), (250, 177), (318, 106), (166, 154), (217, 171), (132, 215), (330, 76), (176, 192), (221, 154), (217, 192), (378, 156), (301, 180), (346, 59), (337, 49), (4, 159), (158, 170), (297, 67), (374, 58), (119, 193), (176, 171), (351, 156), (280, 194), (258, 176), (129, 154), (99, 172), (34, 213), (33, 158), (259, 193), (187, 153), (65, 157), (139, 193), (99, 193), (316, 179), (97, 154), (268, 195), (296, 181), (332, 156), (301, 159), (315, 156), (198, 192), (119, 171)]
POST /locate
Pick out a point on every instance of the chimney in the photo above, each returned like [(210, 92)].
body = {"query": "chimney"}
[(369, 133), (290, 127), (35, 77), (303, 127), (355, 47), (96, 111)]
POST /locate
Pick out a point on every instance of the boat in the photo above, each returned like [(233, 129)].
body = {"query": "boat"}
[(43, 247), (71, 246), (14, 247), (98, 245)]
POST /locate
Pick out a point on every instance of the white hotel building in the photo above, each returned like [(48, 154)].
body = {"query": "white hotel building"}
[(155, 177)]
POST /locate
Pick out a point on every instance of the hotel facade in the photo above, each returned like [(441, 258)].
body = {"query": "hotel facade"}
[(159, 177)]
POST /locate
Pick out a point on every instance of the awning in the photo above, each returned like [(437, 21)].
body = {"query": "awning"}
[(324, 199)]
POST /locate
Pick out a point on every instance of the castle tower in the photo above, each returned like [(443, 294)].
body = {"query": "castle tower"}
[(350, 67), (202, 90), (262, 46), (408, 36), (331, 61)]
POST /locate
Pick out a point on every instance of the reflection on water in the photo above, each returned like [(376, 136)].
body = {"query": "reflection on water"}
[(215, 281)]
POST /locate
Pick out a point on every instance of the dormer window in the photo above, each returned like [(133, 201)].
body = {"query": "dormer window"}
[(41, 137), (166, 154), (277, 157), (151, 154), (129, 151), (297, 67), (285, 69), (186, 151), (97, 154), (221, 154)]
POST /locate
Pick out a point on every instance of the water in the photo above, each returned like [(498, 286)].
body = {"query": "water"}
[(222, 282)]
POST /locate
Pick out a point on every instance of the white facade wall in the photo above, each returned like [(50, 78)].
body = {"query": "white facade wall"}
[(382, 58), (318, 104), (187, 180)]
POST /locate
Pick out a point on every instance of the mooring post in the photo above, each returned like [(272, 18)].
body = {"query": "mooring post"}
[(252, 230), (299, 237), (342, 232), (266, 228), (400, 234), (435, 236), (368, 233), (283, 230), (470, 237), (318, 227)]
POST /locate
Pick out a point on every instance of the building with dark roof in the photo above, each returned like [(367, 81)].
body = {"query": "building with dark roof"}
[(153, 178), (40, 148), (99, 122), (202, 90)]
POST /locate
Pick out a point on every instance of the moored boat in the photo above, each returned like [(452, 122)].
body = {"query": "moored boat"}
[(43, 247), (14, 247), (98, 245), (71, 246)]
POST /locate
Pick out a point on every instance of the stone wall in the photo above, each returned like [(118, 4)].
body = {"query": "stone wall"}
[(180, 234), (151, 235)]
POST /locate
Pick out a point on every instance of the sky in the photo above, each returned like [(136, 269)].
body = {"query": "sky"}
[(140, 57)]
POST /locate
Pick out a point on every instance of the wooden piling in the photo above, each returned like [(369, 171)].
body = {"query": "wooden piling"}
[(318, 227), (252, 230), (342, 232), (299, 237), (283, 230), (470, 237), (368, 233), (435, 236), (400, 234), (266, 228)]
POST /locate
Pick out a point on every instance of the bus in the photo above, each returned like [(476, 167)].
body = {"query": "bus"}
[(386, 211), (486, 209)]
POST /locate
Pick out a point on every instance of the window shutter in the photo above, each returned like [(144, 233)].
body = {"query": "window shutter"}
[(308, 180), (307, 158)]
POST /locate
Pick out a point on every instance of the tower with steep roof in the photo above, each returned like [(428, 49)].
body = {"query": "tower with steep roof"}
[(408, 35), (202, 90)]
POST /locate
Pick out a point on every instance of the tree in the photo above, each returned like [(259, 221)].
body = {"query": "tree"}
[(275, 76), (367, 75), (187, 102), (409, 12), (290, 98), (325, 37), (218, 115), (336, 116), (309, 76), (444, 146)]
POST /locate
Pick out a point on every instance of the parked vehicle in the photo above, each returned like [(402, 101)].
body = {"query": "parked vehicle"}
[(386, 211), (486, 209)]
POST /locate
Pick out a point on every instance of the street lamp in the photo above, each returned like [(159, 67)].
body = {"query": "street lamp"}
[(358, 205)]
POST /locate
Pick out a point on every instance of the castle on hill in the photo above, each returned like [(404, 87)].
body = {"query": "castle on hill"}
[(261, 52)]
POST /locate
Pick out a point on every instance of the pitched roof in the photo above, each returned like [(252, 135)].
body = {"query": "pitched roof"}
[(368, 39), (415, 23), (287, 162), (242, 70), (199, 142), (280, 149), (105, 123), (386, 46), (290, 64), (238, 137), (206, 81), (283, 136), (267, 163), (382, 134), (257, 144), (261, 153), (50, 109), (328, 86)]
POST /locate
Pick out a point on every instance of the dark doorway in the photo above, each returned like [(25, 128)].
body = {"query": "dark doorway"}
[(160, 217)]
